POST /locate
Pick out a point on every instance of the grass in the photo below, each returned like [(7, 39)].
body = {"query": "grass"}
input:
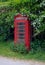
[(7, 52)]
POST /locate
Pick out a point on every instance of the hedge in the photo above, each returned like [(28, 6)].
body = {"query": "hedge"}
[(36, 12)]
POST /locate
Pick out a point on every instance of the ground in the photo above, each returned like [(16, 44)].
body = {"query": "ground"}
[(9, 61)]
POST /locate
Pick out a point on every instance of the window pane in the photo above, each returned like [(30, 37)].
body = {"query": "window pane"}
[(21, 27), (21, 30), (21, 40), (21, 37), (20, 23), (21, 34)]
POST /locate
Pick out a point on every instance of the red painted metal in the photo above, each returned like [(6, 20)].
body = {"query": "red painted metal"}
[(22, 20)]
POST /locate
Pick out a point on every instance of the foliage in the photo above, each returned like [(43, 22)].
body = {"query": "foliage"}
[(3, 0), (35, 9), (7, 52), (18, 47), (37, 46), (6, 22)]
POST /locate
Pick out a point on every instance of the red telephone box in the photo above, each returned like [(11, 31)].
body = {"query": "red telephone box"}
[(22, 30)]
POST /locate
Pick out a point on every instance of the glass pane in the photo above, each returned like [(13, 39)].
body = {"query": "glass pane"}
[(21, 40), (21, 30), (21, 27), (21, 34), (21, 37), (20, 23)]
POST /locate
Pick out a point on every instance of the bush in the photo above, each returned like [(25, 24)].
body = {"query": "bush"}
[(36, 12), (37, 46), (18, 47), (6, 23), (30, 8)]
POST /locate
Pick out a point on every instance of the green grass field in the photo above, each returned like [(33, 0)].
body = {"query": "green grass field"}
[(7, 52)]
